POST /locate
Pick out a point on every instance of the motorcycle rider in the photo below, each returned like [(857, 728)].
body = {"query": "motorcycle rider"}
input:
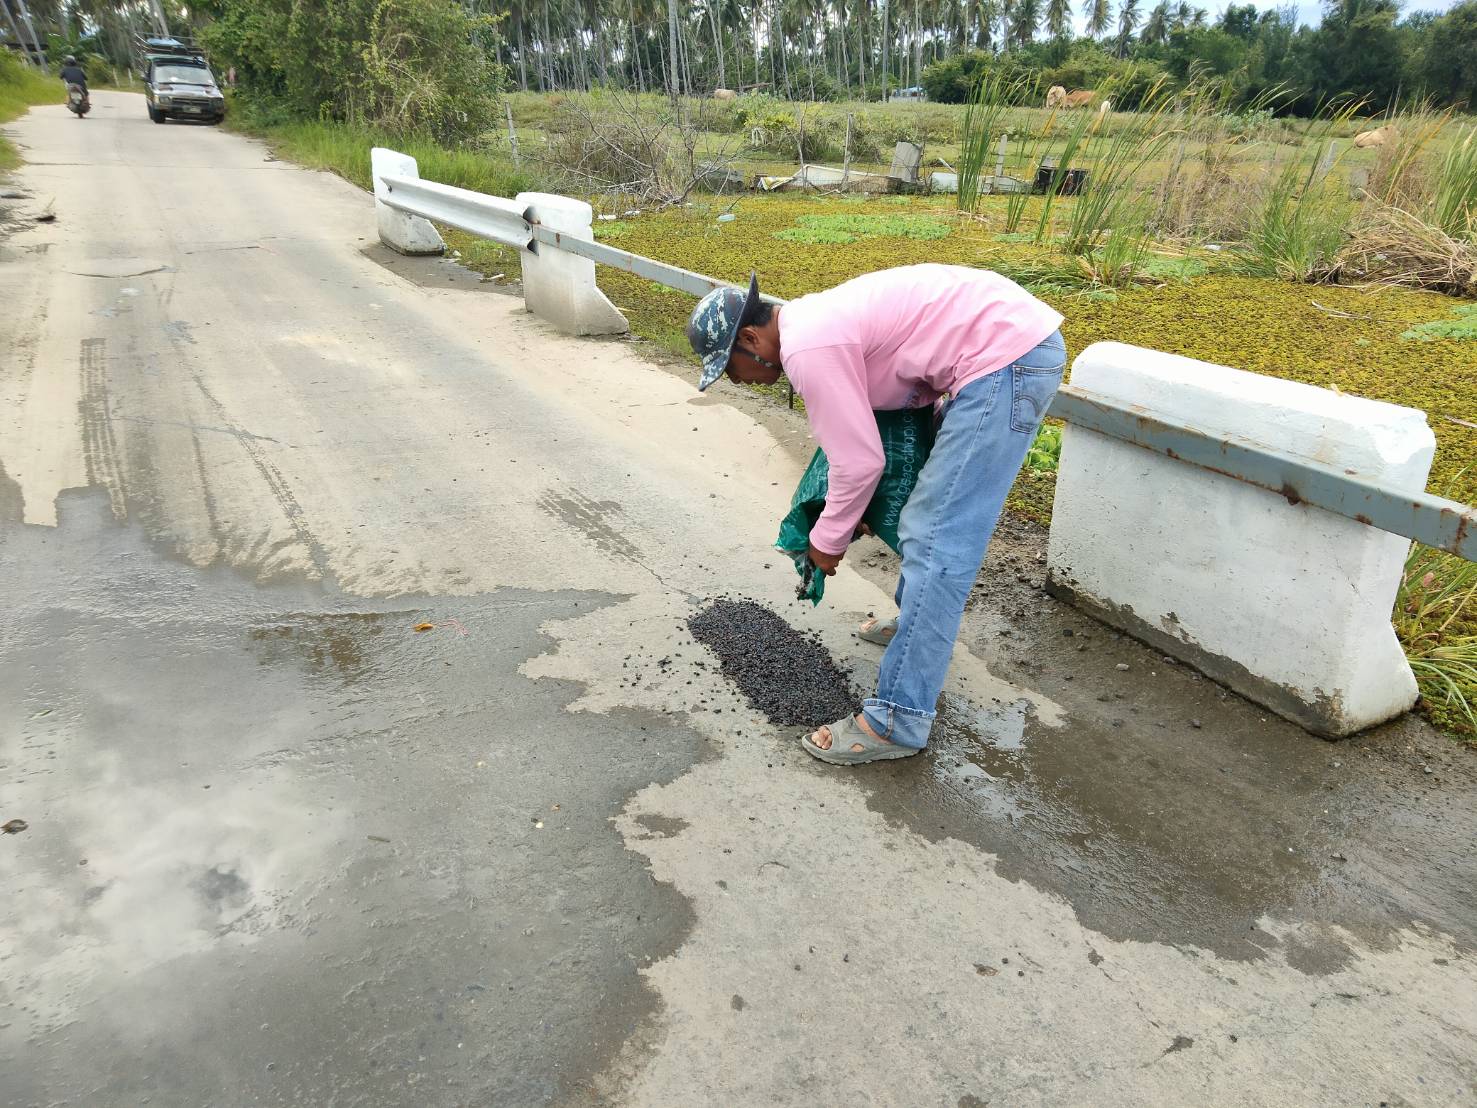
[(74, 74)]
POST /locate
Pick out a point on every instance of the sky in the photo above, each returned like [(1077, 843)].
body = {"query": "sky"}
[(1309, 11)]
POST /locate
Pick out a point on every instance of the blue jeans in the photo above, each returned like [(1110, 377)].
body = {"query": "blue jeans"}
[(946, 526)]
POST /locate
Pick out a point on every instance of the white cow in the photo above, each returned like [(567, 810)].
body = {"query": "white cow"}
[(1380, 136)]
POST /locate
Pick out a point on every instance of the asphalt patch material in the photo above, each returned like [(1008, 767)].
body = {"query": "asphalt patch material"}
[(787, 676)]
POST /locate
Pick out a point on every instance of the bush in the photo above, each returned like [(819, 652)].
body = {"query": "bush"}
[(802, 81), (98, 69), (952, 80), (630, 146), (424, 70), (807, 135), (724, 116), (890, 124), (411, 65)]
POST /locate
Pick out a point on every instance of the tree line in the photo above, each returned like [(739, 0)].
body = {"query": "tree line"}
[(1362, 50), (314, 54)]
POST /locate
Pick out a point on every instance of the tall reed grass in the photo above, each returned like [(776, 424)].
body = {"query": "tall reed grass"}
[(1454, 197), (1108, 227), (984, 124), (1302, 221), (1107, 216)]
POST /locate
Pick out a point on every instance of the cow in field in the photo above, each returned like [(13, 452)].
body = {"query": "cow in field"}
[(1082, 98), (1380, 136), (724, 94)]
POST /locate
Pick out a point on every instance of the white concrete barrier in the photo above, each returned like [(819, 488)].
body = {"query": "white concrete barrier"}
[(407, 234), (559, 286), (1285, 603)]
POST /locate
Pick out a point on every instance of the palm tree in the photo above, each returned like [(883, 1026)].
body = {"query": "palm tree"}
[(1156, 29), (1058, 18), (988, 16), (1025, 17), (1098, 18), (1128, 19), (1005, 16), (674, 82)]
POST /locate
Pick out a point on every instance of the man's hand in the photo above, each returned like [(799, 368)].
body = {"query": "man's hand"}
[(826, 563)]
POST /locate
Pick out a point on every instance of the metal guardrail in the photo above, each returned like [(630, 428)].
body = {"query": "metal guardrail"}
[(673, 277), (1433, 520), (491, 217)]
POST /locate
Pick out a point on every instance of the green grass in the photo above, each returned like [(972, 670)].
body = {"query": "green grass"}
[(343, 148), (1300, 225), (20, 88), (1436, 619)]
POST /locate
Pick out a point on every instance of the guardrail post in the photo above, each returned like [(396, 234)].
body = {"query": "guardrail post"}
[(558, 286), (1285, 603), (406, 234)]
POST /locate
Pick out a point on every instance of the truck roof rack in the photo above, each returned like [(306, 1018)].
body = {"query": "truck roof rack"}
[(162, 46), (166, 48)]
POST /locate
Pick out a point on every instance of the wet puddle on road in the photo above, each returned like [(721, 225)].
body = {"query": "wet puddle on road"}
[(1153, 832), (1180, 837), (253, 811)]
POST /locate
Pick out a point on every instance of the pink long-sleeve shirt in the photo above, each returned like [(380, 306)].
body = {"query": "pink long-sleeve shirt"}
[(898, 338)]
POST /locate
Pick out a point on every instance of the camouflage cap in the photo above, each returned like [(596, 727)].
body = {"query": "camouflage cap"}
[(715, 324)]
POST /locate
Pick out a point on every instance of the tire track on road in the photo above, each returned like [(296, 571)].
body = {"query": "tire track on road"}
[(99, 442), (281, 491)]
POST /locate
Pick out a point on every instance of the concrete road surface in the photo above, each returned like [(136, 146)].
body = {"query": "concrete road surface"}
[(284, 848)]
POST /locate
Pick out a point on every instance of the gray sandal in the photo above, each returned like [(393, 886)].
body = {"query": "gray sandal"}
[(844, 735), (880, 631)]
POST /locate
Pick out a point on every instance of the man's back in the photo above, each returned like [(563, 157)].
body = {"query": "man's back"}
[(74, 75)]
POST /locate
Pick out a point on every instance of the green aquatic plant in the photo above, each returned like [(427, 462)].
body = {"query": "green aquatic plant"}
[(1046, 451), (1174, 268), (835, 229), (1461, 324)]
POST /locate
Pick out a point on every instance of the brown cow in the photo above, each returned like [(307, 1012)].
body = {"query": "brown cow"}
[(724, 94), (1055, 95), (1082, 98)]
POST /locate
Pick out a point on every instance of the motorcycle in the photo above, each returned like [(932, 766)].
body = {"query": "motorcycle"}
[(77, 101)]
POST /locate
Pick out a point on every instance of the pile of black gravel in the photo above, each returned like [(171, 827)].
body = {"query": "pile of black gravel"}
[(789, 677)]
